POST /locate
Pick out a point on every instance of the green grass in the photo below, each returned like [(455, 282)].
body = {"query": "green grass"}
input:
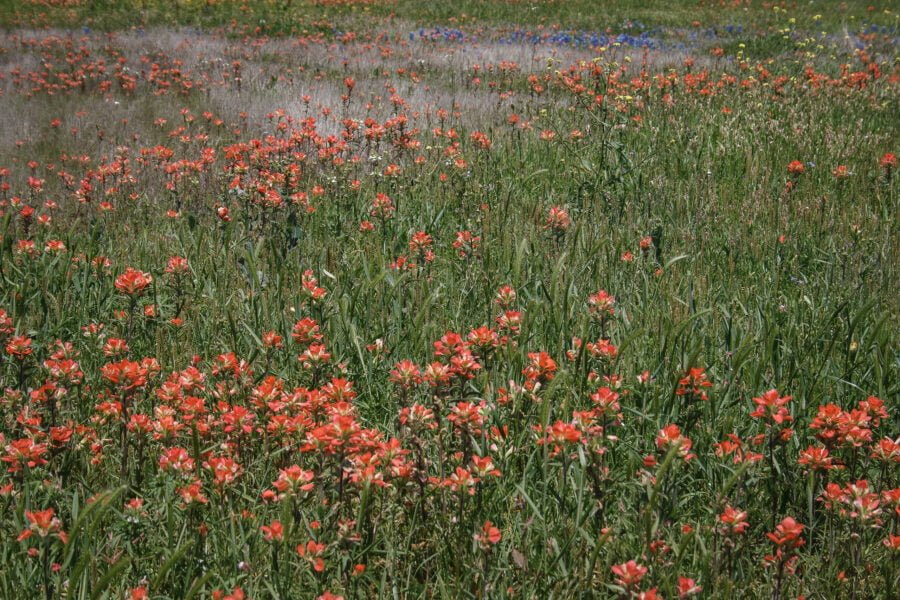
[(306, 16), (680, 207)]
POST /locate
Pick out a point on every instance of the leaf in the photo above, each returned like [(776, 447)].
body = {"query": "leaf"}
[(113, 574), (170, 562), (198, 584), (674, 260)]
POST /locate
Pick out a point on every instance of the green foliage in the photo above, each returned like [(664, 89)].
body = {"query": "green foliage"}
[(667, 182)]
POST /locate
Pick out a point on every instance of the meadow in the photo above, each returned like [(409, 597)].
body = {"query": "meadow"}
[(496, 299)]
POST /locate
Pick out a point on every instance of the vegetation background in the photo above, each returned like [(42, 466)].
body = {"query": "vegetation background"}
[(237, 218)]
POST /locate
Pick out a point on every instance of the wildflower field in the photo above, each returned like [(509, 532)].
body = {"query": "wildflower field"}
[(465, 299)]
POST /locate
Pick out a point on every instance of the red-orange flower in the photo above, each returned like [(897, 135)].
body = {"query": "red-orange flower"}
[(274, 532), (787, 534), (734, 521), (488, 535), (795, 168), (629, 574), (19, 347), (133, 282), (312, 552), (670, 437), (44, 523)]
